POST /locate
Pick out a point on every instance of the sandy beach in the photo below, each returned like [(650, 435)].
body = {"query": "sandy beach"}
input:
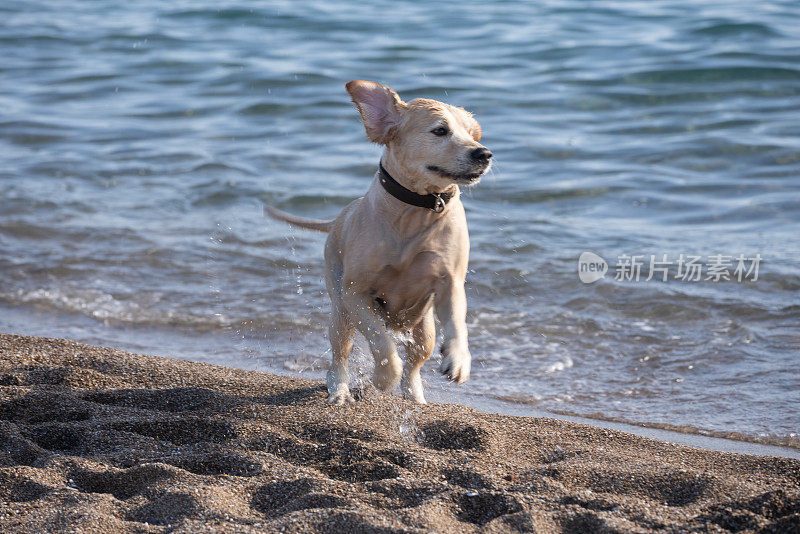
[(100, 440)]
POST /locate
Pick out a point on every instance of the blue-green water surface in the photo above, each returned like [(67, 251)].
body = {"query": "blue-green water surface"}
[(138, 141)]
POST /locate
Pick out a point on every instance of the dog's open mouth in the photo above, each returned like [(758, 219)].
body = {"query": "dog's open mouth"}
[(466, 177)]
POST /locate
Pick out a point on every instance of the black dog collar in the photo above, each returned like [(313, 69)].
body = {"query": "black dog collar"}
[(435, 202)]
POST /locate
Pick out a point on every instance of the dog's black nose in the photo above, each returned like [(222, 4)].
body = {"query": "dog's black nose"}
[(480, 154)]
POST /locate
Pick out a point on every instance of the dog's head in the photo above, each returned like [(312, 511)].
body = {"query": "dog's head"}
[(434, 145)]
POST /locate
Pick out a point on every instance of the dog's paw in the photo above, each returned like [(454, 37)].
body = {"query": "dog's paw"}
[(419, 398), (412, 390), (456, 361), (387, 373), (340, 396)]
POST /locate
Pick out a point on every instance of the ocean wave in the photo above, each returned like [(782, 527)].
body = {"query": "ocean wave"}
[(790, 439), (737, 29), (152, 309), (105, 307), (691, 75)]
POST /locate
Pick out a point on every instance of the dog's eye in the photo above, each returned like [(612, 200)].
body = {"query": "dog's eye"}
[(440, 131)]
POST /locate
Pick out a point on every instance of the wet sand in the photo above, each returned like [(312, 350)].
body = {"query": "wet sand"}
[(100, 440)]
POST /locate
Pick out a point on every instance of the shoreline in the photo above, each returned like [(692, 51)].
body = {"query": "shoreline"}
[(126, 337), (710, 442), (101, 440)]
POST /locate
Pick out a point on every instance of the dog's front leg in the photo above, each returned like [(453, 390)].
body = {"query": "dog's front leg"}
[(388, 366), (451, 309)]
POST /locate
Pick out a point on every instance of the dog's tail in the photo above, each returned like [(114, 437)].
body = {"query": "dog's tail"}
[(312, 224)]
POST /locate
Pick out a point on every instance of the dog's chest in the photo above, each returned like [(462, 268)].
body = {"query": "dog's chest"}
[(404, 289), (401, 264)]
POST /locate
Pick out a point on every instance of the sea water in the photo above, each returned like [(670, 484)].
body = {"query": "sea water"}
[(139, 141)]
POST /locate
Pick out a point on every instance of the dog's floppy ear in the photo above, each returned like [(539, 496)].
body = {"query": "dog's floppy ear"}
[(379, 106)]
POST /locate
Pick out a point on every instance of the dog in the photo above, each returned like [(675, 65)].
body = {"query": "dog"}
[(399, 254)]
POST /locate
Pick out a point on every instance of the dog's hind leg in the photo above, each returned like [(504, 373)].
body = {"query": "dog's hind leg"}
[(388, 366), (418, 351), (340, 332)]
